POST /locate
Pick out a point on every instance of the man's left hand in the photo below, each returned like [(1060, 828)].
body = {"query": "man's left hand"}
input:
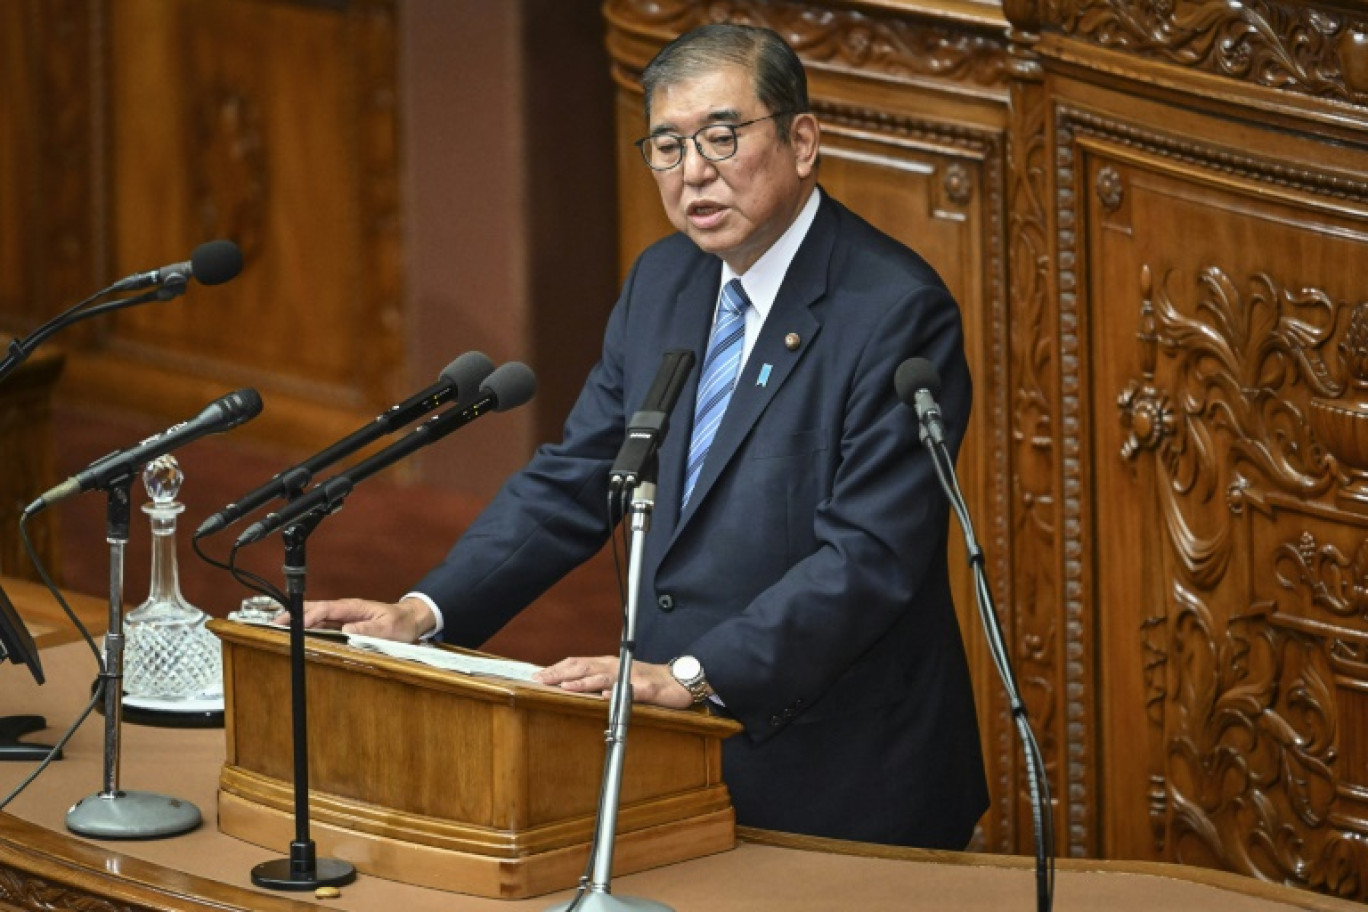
[(650, 683)]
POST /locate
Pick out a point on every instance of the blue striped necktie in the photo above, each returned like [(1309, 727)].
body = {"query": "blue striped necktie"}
[(718, 379)]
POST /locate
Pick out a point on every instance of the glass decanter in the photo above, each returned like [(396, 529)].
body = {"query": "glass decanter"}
[(168, 652)]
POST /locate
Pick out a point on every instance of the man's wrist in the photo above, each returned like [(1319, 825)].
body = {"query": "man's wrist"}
[(421, 614)]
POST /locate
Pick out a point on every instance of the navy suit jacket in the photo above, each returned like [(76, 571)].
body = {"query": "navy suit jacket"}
[(808, 571)]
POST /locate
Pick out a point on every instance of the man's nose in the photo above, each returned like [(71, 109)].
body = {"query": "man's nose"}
[(696, 168)]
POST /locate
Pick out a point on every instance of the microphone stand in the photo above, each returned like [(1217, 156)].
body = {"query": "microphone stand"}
[(594, 894), (18, 350), (113, 813), (303, 870), (1039, 783)]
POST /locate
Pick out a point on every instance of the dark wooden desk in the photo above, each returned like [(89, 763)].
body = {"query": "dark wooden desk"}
[(43, 867)]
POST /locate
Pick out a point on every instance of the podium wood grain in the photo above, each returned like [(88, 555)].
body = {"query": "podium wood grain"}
[(481, 785)]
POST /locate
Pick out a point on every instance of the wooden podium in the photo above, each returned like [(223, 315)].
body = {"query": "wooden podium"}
[(479, 785)]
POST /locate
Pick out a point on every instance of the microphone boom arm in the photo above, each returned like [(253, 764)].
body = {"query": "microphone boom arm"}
[(328, 496)]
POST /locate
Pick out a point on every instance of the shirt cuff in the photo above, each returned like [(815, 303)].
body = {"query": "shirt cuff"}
[(436, 615)]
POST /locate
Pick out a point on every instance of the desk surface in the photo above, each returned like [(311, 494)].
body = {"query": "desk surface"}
[(44, 617), (754, 876)]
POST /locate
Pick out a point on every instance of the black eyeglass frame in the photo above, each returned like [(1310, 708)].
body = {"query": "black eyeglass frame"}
[(683, 149)]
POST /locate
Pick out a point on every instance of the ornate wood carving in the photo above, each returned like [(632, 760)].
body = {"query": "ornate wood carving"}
[(880, 42), (1033, 357), (1295, 47), (1254, 765), (22, 891), (1110, 189), (1072, 630)]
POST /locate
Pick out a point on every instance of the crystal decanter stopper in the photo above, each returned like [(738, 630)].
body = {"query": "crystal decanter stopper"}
[(168, 652)]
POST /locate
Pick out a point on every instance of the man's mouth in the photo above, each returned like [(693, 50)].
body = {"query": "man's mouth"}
[(705, 214)]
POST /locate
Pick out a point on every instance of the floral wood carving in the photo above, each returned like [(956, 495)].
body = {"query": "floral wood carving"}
[(1289, 46), (1343, 423), (1252, 754), (895, 46), (1241, 682), (1111, 189), (20, 890)]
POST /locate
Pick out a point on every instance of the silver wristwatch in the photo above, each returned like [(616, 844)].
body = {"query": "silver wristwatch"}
[(689, 671)]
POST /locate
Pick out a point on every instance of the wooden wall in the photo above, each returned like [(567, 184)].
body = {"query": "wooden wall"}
[(1155, 217), (374, 159)]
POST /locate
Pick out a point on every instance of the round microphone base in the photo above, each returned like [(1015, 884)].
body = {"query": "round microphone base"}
[(131, 815), (290, 874), (594, 901)]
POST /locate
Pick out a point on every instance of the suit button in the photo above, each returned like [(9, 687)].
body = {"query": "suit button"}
[(666, 602), (776, 721)]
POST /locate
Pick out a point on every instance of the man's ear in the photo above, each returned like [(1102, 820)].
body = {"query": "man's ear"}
[(805, 135)]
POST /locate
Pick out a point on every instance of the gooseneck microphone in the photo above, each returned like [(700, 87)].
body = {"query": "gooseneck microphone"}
[(647, 427), (460, 381), (212, 263), (917, 383), (509, 386), (218, 416)]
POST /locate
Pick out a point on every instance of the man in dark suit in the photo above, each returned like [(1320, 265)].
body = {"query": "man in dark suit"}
[(795, 572)]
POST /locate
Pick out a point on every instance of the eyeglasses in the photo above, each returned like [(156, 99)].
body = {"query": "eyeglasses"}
[(715, 142)]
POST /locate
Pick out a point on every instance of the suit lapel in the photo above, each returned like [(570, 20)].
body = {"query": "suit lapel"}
[(771, 361)]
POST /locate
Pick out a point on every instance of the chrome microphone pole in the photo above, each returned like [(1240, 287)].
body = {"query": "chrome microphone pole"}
[(595, 894), (113, 813)]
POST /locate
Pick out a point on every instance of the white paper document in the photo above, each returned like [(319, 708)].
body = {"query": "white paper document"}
[(427, 655), (445, 658)]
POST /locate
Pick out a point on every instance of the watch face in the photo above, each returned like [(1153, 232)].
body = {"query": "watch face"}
[(686, 668)]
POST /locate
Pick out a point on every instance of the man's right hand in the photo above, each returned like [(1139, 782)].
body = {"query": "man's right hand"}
[(406, 620)]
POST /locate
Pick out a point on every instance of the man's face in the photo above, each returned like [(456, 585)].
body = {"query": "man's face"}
[(735, 208)]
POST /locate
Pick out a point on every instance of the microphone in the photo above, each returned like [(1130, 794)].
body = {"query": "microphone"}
[(917, 382), (646, 430), (212, 263), (460, 381), (108, 471), (509, 386)]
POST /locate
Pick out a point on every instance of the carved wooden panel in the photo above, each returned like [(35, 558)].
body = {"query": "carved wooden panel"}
[(1224, 300)]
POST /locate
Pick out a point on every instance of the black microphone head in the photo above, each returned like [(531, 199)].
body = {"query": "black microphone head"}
[(915, 374), (240, 406), (216, 262), (467, 373), (510, 384)]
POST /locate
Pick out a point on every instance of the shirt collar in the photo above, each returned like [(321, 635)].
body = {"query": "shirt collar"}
[(763, 279)]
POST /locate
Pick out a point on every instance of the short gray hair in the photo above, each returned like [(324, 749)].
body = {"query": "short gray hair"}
[(780, 81)]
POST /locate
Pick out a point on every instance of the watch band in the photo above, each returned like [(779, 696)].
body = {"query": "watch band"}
[(696, 684)]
